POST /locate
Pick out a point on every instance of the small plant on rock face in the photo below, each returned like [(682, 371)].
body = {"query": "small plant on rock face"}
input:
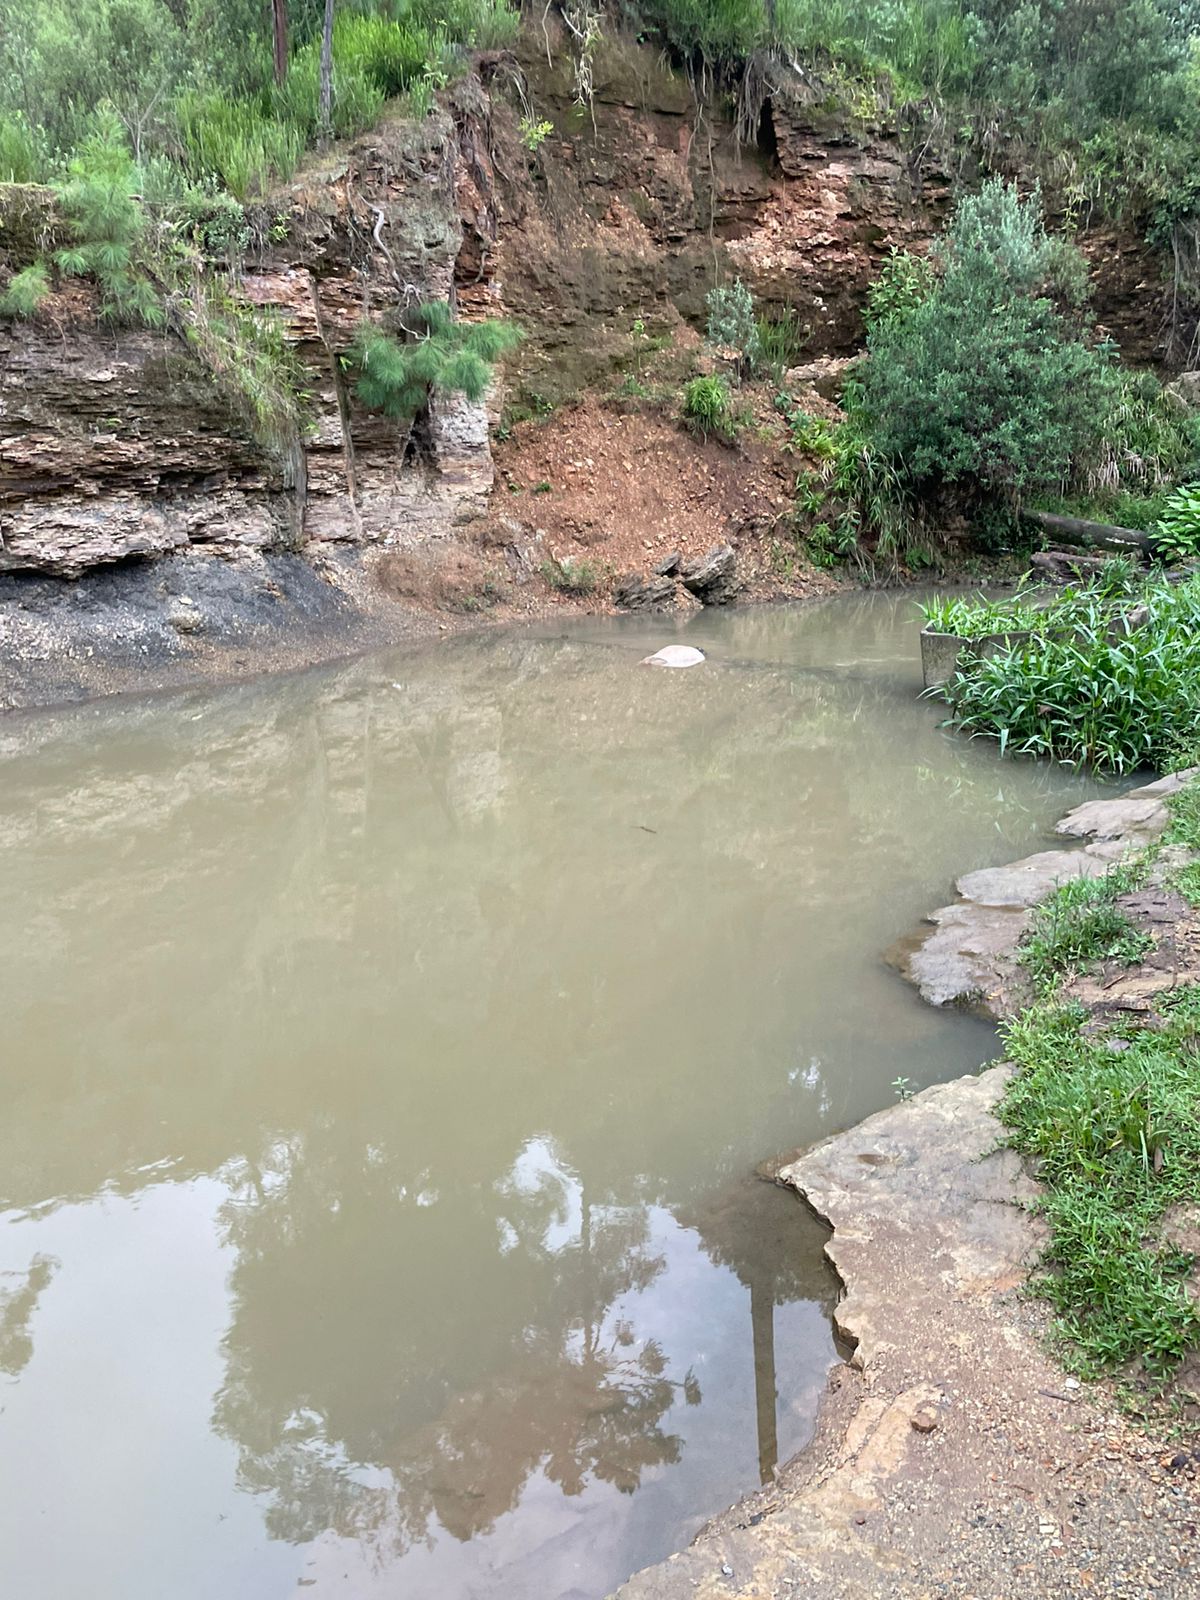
[(706, 406), (571, 577), (446, 356), (25, 292), (534, 134), (1177, 535), (731, 322)]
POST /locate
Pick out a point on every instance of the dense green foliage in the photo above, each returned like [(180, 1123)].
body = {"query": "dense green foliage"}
[(983, 378), (192, 79), (984, 388), (1101, 683), (439, 355)]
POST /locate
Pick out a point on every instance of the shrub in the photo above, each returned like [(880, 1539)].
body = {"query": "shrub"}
[(25, 292), (731, 322), (985, 383), (706, 406), (1177, 533), (443, 355), (571, 577), (904, 281)]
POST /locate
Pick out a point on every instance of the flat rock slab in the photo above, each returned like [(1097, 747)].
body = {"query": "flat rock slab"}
[(1025, 883), (953, 1457), (969, 958)]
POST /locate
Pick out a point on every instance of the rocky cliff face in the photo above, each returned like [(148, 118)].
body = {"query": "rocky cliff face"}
[(116, 444)]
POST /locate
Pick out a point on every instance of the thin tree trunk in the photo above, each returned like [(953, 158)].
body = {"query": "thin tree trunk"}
[(325, 117), (279, 26)]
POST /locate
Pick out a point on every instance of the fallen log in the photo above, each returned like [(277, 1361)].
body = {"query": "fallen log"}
[(1078, 531), (1067, 566)]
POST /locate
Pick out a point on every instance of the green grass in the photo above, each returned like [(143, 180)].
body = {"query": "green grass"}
[(1114, 1134), (1079, 925), (976, 617)]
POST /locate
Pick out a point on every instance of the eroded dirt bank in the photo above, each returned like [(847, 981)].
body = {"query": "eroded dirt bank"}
[(953, 1456), (133, 478)]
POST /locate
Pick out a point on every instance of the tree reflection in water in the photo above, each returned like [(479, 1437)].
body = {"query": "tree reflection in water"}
[(566, 1385)]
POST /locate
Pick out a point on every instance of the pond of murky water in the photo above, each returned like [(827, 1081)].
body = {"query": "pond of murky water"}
[(387, 1051)]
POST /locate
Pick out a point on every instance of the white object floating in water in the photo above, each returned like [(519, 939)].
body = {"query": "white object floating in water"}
[(674, 655)]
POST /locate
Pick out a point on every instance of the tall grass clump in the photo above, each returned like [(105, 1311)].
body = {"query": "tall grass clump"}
[(240, 142), (1115, 1139), (1107, 687), (706, 407), (1081, 924), (22, 151)]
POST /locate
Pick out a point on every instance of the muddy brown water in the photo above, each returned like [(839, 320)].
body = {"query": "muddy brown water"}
[(387, 1051)]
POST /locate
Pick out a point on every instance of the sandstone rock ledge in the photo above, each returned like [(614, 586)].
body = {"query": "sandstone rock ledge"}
[(952, 1457), (969, 958)]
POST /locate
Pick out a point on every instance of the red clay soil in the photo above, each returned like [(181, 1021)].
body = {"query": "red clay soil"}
[(621, 489)]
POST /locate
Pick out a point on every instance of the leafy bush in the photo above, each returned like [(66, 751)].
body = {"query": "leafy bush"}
[(1177, 533), (904, 281), (706, 406), (25, 291), (444, 355), (984, 383), (731, 322), (1094, 688)]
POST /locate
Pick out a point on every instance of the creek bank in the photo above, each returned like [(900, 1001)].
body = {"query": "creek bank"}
[(952, 1457), (952, 1454), (969, 957)]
